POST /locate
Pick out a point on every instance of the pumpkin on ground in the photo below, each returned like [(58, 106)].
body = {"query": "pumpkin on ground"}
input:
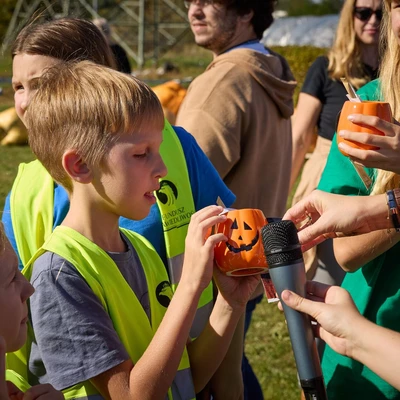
[(171, 95), (12, 130)]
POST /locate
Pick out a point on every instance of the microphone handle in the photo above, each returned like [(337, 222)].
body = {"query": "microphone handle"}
[(293, 277)]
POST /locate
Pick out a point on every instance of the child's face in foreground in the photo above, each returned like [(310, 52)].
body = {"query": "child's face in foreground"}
[(131, 173), (14, 291), (27, 69)]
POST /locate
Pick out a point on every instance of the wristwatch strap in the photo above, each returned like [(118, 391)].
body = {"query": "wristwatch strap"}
[(393, 206)]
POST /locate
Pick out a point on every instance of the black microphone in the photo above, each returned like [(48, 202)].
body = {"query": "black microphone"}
[(286, 268)]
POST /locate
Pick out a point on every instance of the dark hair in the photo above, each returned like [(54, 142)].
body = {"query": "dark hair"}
[(262, 10), (67, 39)]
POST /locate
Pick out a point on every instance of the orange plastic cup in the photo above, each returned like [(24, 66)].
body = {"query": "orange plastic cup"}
[(379, 109), (243, 253)]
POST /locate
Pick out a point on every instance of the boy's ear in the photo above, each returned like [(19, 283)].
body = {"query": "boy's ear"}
[(76, 167)]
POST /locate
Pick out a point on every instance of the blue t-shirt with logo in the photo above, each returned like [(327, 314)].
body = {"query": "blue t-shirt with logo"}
[(205, 182)]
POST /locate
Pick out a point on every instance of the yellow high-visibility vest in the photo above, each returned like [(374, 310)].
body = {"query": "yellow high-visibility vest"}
[(118, 299)]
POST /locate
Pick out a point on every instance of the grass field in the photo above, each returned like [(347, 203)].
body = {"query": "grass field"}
[(267, 345)]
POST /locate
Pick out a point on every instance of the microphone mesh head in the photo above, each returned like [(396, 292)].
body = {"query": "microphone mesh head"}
[(281, 243)]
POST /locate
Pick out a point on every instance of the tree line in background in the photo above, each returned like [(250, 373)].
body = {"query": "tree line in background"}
[(293, 8)]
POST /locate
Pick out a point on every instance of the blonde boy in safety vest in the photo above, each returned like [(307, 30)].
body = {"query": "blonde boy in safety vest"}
[(100, 317)]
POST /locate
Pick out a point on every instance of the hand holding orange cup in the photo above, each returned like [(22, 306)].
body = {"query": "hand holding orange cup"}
[(379, 109), (243, 253)]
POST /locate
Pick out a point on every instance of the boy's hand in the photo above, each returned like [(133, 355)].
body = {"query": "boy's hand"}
[(199, 250), (236, 290)]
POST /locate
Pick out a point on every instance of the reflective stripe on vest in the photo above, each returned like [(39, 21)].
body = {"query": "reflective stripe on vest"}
[(175, 201), (106, 281), (17, 380)]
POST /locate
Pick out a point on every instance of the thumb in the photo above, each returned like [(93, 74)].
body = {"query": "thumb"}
[(297, 302)]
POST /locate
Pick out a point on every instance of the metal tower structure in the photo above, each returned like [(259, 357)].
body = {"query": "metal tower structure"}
[(144, 28)]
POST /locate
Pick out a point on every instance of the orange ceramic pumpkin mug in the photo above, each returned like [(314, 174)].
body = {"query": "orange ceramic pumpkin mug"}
[(243, 253), (377, 108)]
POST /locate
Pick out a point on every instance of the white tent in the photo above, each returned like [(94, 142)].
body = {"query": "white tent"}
[(317, 31)]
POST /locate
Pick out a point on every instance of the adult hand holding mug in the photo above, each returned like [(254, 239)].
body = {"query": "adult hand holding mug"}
[(387, 154)]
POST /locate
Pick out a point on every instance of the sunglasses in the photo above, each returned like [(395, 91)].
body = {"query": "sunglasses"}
[(201, 3), (365, 13)]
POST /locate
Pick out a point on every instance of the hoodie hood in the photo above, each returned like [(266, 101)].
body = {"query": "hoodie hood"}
[(271, 71)]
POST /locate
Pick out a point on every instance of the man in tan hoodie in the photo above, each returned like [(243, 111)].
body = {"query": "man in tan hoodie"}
[(239, 112)]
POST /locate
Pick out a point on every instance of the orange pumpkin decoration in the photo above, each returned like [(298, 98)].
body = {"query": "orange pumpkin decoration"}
[(376, 108), (171, 95), (243, 253)]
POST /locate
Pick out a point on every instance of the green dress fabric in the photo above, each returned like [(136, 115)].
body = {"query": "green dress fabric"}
[(375, 287)]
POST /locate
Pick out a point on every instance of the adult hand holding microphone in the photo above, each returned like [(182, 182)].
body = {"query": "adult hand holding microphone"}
[(332, 215), (346, 331), (338, 321)]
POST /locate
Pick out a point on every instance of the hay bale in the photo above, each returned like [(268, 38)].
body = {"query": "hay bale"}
[(12, 130)]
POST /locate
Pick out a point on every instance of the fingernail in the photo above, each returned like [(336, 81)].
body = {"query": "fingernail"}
[(340, 145), (286, 294), (350, 117), (341, 133)]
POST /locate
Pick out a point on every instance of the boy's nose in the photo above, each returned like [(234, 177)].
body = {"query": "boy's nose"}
[(162, 168)]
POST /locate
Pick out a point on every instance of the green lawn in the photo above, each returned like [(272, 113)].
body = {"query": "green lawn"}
[(269, 351), (268, 344)]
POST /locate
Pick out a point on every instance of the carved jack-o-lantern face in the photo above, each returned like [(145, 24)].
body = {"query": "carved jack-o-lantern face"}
[(244, 236), (243, 253)]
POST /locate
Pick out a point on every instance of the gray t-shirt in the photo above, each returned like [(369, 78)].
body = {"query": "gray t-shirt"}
[(76, 340)]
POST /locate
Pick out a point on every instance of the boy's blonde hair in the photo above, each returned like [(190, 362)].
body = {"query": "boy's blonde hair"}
[(390, 88), (345, 54), (86, 107)]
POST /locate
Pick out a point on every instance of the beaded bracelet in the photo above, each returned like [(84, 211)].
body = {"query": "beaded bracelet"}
[(393, 208)]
